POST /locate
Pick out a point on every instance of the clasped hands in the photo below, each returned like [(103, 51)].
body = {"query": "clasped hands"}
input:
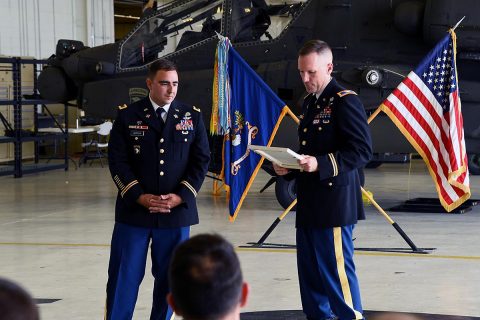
[(159, 204), (307, 164)]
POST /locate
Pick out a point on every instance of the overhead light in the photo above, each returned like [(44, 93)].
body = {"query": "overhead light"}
[(126, 17)]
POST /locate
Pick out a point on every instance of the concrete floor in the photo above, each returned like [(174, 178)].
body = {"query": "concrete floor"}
[(55, 229)]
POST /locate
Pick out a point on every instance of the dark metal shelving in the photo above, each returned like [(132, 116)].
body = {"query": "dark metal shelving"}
[(18, 167)]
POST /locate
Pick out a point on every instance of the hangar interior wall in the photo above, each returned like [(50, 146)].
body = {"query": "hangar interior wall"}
[(33, 27)]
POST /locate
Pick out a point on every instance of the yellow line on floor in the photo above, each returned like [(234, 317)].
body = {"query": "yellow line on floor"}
[(358, 253), (53, 244)]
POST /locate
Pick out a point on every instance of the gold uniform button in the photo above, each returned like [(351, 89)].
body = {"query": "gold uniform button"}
[(305, 130), (319, 128), (330, 184), (161, 173), (162, 162), (304, 142), (162, 151), (161, 140)]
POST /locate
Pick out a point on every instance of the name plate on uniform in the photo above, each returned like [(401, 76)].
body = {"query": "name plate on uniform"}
[(283, 157)]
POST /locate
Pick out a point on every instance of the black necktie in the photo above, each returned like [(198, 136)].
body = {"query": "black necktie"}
[(160, 112), (312, 102)]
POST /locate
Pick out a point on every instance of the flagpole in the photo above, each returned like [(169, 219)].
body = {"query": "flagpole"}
[(393, 223), (291, 114), (458, 23), (373, 115), (275, 223)]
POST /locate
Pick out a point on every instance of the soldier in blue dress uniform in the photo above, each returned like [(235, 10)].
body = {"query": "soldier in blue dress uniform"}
[(158, 158), (335, 139)]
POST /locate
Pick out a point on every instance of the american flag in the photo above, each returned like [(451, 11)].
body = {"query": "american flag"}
[(426, 108)]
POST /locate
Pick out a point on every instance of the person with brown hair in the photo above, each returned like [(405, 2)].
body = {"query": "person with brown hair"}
[(206, 281), (158, 157), (16, 303)]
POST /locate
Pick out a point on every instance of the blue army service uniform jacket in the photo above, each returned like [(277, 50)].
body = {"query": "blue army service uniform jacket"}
[(145, 159), (334, 129)]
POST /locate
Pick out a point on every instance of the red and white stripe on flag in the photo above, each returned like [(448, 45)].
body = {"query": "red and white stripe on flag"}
[(426, 108)]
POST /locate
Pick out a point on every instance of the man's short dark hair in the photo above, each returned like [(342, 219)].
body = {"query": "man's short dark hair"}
[(16, 303), (160, 64), (205, 277), (317, 46)]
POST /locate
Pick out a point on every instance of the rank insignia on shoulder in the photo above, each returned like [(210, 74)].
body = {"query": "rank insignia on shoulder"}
[(196, 109), (123, 106), (345, 93)]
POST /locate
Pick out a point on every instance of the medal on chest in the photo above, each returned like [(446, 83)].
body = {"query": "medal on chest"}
[(185, 124)]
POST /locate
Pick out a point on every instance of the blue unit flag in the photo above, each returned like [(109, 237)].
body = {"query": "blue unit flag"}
[(254, 115)]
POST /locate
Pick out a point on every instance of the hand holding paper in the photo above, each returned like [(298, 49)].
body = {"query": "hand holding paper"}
[(282, 157), (280, 171), (308, 164)]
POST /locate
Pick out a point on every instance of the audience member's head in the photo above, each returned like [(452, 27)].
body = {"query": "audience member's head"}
[(16, 303), (205, 280)]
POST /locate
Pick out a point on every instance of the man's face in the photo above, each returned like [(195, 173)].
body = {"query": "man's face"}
[(315, 70), (163, 87)]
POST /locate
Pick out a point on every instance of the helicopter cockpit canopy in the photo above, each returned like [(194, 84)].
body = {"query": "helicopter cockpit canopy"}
[(261, 20), (181, 24)]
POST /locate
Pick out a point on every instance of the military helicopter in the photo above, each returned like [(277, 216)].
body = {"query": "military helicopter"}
[(375, 44)]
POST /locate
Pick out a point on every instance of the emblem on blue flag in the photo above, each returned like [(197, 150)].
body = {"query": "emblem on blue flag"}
[(248, 131)]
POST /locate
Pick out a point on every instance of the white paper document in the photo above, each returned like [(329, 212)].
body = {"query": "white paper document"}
[(283, 157)]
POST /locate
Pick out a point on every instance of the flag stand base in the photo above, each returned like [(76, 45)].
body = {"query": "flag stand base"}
[(413, 248), (432, 205), (398, 250), (267, 245)]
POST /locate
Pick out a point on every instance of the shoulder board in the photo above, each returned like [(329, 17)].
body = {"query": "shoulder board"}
[(346, 93), (196, 109), (123, 106)]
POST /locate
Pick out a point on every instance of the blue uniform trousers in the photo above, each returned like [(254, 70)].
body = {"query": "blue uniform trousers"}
[(128, 257), (326, 271)]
